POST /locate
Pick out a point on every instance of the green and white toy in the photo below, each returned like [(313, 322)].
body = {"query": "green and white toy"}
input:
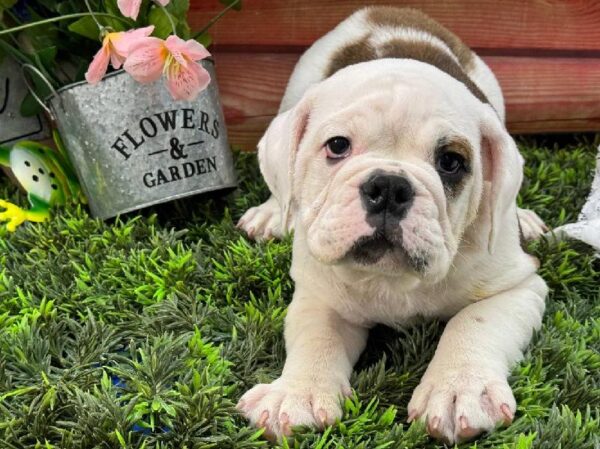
[(47, 177)]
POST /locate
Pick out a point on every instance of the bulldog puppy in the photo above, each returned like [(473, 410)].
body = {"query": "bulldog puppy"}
[(391, 162)]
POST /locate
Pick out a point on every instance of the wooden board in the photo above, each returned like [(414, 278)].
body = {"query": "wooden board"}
[(545, 53), (538, 91), (550, 25)]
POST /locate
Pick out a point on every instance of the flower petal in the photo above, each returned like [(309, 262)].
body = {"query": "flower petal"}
[(129, 8), (186, 84), (116, 60), (122, 42), (203, 76), (146, 60), (195, 50), (190, 49), (176, 47), (98, 66)]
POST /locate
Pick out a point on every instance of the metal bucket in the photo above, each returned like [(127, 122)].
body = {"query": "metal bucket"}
[(13, 126), (132, 145)]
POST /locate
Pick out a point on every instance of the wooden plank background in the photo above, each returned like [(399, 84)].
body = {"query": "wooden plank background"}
[(545, 53)]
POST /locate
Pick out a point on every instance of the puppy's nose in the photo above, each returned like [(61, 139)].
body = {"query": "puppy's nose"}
[(387, 193)]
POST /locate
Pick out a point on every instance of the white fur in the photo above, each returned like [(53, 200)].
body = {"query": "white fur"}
[(477, 276)]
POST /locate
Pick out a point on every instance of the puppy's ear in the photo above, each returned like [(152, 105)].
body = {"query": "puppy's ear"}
[(502, 169), (277, 155)]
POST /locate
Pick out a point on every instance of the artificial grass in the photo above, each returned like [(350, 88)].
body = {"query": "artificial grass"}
[(143, 332)]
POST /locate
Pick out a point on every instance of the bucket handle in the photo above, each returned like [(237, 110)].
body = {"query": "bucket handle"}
[(32, 91)]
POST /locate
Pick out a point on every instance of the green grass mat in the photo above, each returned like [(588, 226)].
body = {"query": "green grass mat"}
[(144, 332)]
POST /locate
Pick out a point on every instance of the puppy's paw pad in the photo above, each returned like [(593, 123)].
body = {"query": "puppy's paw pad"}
[(262, 222), (532, 226), (458, 406), (280, 406)]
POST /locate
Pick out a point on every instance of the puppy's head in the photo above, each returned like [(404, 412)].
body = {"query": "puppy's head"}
[(386, 164)]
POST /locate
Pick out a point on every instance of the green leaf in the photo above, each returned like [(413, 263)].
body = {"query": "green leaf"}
[(30, 107), (183, 30), (120, 439), (47, 56), (86, 27), (237, 6), (112, 8), (169, 409), (179, 8), (205, 39), (162, 25)]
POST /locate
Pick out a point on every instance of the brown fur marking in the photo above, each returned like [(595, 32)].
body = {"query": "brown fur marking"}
[(362, 50), (425, 52), (355, 53), (413, 18)]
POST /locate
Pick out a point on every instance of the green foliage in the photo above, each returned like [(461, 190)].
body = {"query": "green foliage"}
[(143, 332), (62, 50)]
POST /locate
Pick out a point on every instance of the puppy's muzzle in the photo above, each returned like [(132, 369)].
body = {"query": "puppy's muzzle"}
[(386, 199)]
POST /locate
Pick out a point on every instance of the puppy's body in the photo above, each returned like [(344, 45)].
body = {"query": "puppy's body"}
[(362, 163)]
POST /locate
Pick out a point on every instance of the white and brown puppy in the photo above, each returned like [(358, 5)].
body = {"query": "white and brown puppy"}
[(391, 161)]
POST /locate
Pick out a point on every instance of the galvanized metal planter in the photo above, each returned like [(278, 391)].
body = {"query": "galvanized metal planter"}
[(132, 145), (13, 126)]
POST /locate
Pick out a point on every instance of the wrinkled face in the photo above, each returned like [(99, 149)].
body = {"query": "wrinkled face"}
[(387, 181)]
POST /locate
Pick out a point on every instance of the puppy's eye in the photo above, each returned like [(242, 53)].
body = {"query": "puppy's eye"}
[(450, 163), (337, 147)]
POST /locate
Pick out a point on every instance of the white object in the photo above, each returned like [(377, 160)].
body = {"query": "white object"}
[(587, 227)]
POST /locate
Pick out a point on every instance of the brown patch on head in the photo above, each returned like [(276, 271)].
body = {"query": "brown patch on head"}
[(412, 18), (430, 54), (354, 53)]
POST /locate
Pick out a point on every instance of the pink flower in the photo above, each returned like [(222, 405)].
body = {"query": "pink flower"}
[(115, 49), (151, 57), (131, 8)]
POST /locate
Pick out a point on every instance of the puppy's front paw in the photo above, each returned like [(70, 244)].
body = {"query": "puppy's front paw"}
[(459, 405), (263, 222), (284, 404), (532, 226)]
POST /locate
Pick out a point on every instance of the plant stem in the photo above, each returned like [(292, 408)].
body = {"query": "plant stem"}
[(169, 17), (87, 4), (58, 19), (215, 19)]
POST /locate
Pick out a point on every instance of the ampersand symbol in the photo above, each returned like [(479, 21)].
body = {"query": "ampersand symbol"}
[(177, 149)]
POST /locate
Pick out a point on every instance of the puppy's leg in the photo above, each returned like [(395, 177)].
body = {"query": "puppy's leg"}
[(464, 391), (263, 222), (321, 350), (532, 226)]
